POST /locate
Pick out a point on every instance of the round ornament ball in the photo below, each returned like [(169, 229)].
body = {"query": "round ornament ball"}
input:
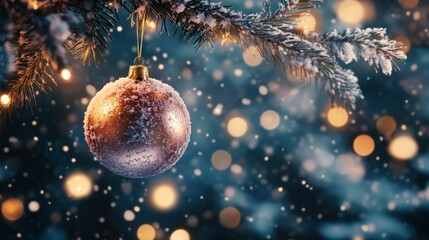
[(137, 129)]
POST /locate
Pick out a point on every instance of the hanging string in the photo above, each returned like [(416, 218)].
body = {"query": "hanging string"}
[(140, 38)]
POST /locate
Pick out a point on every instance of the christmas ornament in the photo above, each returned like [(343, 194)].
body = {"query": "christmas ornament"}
[(137, 126)]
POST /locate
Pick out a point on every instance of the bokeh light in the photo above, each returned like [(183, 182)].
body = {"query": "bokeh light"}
[(12, 209), (5, 99), (146, 232), (351, 11), (270, 120), (252, 57), (78, 185), (386, 125), (403, 147), (230, 217), (180, 234), (337, 117), (33, 206), (409, 4), (364, 145), (66, 74), (164, 196), (221, 160), (237, 127), (308, 22)]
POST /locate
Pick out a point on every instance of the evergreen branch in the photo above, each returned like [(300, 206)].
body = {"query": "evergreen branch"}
[(275, 36), (35, 71), (89, 41)]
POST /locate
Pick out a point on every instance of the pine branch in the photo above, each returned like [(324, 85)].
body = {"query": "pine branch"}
[(35, 71), (89, 41), (277, 39)]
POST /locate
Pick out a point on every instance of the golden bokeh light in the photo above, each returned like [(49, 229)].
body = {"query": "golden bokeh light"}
[(307, 23), (164, 196), (5, 99), (66, 74), (270, 120), (406, 43), (252, 57), (12, 209), (337, 117), (386, 125), (230, 217), (351, 11), (180, 234), (363, 145), (146, 232), (403, 148), (221, 160), (409, 4), (237, 127), (151, 25), (78, 185)]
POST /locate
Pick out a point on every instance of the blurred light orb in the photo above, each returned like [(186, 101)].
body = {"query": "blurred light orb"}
[(351, 11), (409, 4), (164, 196), (363, 145), (237, 127), (406, 43), (66, 74), (180, 234), (129, 215), (146, 232), (78, 185), (33, 206), (350, 166), (5, 99), (230, 217), (307, 23), (386, 125), (252, 57), (403, 148), (221, 160), (12, 209), (270, 120), (337, 117)]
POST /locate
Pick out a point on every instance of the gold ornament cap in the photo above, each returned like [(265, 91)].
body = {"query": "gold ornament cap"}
[(138, 72)]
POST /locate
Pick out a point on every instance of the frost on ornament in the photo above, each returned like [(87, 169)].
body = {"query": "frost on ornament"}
[(137, 129)]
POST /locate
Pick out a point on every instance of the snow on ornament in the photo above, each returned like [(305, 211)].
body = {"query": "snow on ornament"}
[(137, 126)]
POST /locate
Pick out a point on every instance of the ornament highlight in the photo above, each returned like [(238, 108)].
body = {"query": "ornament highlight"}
[(137, 126)]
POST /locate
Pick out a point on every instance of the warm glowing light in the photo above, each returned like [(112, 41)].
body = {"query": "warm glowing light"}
[(351, 11), (33, 206), (146, 232), (78, 185), (270, 120), (230, 217), (164, 196), (403, 148), (5, 99), (237, 127), (364, 145), (409, 4), (406, 43), (151, 25), (386, 125), (180, 234), (252, 57), (12, 209), (66, 74), (307, 23), (337, 117), (221, 160)]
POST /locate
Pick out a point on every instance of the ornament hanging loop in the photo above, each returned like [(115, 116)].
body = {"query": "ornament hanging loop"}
[(139, 59), (139, 72)]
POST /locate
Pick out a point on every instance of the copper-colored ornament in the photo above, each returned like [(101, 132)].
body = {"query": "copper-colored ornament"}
[(137, 126)]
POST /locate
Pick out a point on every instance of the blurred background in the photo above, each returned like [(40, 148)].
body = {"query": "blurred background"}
[(269, 157)]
